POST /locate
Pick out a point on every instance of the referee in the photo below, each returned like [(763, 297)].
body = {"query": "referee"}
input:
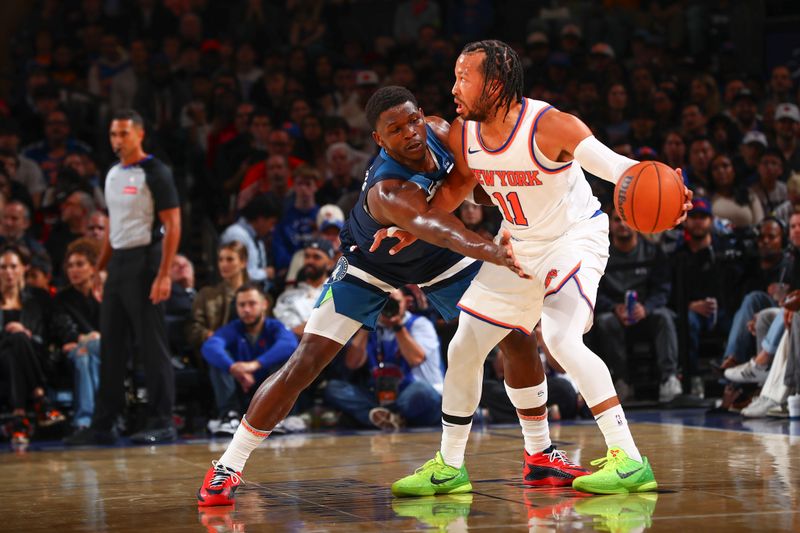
[(143, 237)]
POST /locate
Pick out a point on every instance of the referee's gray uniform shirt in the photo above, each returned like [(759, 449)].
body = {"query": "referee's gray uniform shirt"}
[(134, 195)]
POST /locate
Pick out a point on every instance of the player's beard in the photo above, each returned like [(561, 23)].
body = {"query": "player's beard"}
[(480, 113)]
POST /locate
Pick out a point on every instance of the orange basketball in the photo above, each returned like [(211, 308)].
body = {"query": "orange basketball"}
[(649, 197)]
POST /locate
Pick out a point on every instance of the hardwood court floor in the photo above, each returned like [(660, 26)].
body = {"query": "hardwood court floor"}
[(709, 480)]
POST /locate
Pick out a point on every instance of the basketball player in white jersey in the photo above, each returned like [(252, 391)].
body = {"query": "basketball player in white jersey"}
[(529, 158)]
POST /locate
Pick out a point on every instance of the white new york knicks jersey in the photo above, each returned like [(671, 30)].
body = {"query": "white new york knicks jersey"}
[(540, 199)]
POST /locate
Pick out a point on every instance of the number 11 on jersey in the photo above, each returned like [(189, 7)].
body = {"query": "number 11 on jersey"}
[(512, 199)]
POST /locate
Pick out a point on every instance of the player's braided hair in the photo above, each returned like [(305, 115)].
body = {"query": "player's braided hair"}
[(386, 98), (502, 69)]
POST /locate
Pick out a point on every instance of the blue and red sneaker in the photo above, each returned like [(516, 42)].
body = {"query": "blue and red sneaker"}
[(550, 468), (219, 486)]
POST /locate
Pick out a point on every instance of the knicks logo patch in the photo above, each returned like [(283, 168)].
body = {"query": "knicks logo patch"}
[(340, 271), (550, 276)]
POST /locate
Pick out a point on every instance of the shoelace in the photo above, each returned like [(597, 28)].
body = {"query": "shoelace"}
[(607, 462), (429, 464), (222, 473), (561, 456)]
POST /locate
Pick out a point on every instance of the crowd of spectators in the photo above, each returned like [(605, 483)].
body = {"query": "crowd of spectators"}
[(258, 107)]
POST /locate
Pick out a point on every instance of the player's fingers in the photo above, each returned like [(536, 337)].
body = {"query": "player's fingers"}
[(377, 239)]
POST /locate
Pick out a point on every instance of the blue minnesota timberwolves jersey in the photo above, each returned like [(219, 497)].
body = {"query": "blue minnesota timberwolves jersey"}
[(417, 263)]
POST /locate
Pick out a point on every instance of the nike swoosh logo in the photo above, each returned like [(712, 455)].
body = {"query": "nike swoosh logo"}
[(471, 151), (626, 475), (440, 481)]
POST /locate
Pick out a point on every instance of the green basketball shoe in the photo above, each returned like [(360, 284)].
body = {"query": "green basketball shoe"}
[(619, 512), (618, 474), (434, 477)]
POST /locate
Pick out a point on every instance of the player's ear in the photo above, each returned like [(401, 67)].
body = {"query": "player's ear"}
[(377, 139)]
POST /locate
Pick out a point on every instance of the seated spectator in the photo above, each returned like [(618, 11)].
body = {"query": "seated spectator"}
[(769, 189), (764, 286), (330, 221), (12, 189), (40, 274), (76, 325), (214, 306), (25, 316), (26, 171), (787, 119), (179, 305), (76, 211), (636, 265), (342, 178), (752, 147), (701, 274), (98, 224), (403, 359), (294, 306), (769, 322), (257, 221), (731, 199), (271, 175), (298, 223), (57, 143), (243, 353), (14, 229)]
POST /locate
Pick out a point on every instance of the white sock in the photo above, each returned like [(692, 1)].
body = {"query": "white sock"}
[(245, 440), (536, 432), (454, 442), (614, 425)]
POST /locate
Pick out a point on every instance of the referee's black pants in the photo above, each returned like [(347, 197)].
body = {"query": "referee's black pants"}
[(128, 318)]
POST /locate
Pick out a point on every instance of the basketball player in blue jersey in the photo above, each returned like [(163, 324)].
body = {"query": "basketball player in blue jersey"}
[(412, 164), (529, 158)]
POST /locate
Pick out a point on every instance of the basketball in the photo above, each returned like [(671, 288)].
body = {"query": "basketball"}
[(649, 197)]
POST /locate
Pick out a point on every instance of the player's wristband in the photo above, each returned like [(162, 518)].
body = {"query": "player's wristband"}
[(398, 327)]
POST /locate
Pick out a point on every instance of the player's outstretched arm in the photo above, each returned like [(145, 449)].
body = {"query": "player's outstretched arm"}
[(403, 204)]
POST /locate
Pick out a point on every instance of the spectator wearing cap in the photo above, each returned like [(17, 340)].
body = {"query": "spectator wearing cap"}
[(244, 352), (732, 200), (753, 145), (330, 221), (571, 36), (341, 179), (26, 171), (745, 111), (601, 56), (701, 277), (298, 223), (258, 219), (536, 50), (787, 129), (294, 306), (769, 188)]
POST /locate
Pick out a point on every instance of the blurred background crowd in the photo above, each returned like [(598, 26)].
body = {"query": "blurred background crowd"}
[(258, 108)]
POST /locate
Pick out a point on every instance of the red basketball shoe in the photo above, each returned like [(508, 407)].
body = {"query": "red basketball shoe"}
[(550, 468), (219, 486)]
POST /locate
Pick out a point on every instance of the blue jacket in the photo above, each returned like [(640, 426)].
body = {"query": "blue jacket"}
[(229, 345)]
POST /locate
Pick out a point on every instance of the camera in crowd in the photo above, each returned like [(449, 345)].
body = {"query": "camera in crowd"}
[(391, 309)]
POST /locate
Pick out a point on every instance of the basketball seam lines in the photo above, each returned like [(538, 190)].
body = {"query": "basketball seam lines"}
[(634, 183), (658, 210)]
